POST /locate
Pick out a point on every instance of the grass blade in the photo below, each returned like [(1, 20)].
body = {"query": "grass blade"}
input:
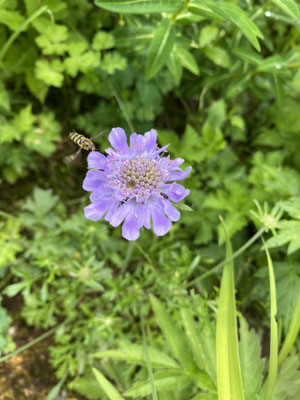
[(108, 388), (229, 376)]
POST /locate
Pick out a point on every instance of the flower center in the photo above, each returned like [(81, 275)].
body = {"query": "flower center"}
[(138, 177)]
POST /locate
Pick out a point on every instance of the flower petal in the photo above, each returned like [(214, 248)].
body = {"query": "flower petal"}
[(96, 160), (175, 163), (121, 213), (150, 139), (114, 205), (170, 210), (179, 175), (131, 227), (176, 192), (161, 224), (136, 143), (101, 193), (94, 180), (96, 210), (117, 138)]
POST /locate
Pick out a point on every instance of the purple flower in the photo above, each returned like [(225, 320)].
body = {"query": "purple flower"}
[(134, 183)]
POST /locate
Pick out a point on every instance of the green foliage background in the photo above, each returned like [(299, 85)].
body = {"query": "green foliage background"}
[(220, 81)]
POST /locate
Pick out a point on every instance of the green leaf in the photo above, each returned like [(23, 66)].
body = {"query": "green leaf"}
[(173, 335), (25, 119), (218, 56), (228, 12), (135, 354), (50, 72), (140, 6), (9, 133), (273, 360), (103, 40), (175, 67), (230, 384), (160, 47), (289, 6), (166, 380), (187, 59), (207, 35), (133, 37), (4, 98), (250, 351), (287, 384), (108, 388), (81, 59), (12, 19), (41, 203), (53, 40), (36, 86), (183, 207), (112, 62), (289, 232)]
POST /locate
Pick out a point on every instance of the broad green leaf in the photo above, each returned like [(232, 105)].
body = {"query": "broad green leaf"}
[(160, 47), (173, 336), (218, 56), (9, 133), (108, 388), (229, 380), (187, 59), (287, 385), (166, 380), (252, 365), (175, 67), (140, 6), (228, 12), (133, 36), (289, 6), (12, 19), (207, 34), (135, 354)]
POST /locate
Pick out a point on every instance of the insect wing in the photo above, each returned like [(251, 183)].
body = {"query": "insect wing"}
[(73, 157)]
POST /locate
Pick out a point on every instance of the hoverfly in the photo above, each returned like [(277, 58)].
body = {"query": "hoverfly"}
[(83, 143)]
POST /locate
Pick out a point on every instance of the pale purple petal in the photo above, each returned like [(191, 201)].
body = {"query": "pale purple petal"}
[(176, 192), (94, 180), (121, 213), (179, 175), (150, 139), (131, 228), (96, 210), (170, 210), (96, 160), (117, 138), (161, 224), (114, 205), (136, 143), (101, 193), (175, 163)]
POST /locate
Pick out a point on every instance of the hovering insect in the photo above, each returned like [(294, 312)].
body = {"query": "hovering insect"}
[(83, 143)]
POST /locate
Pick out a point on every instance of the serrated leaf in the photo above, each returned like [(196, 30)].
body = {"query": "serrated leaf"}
[(140, 6), (108, 388), (103, 40), (38, 88), (250, 351), (9, 133), (41, 203), (50, 72), (160, 47), (112, 62), (135, 354), (166, 380), (288, 6), (53, 40), (12, 19), (288, 380), (289, 232), (173, 336)]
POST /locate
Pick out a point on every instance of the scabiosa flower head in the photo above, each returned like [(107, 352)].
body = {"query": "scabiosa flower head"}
[(134, 183)]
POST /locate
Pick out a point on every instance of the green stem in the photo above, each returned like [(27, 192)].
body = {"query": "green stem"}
[(122, 107), (30, 344), (130, 248), (221, 264), (292, 333), (14, 36)]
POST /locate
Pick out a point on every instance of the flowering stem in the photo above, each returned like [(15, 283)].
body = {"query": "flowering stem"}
[(122, 107), (222, 263), (128, 256)]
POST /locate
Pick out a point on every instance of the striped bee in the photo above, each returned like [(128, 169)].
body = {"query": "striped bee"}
[(83, 143)]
